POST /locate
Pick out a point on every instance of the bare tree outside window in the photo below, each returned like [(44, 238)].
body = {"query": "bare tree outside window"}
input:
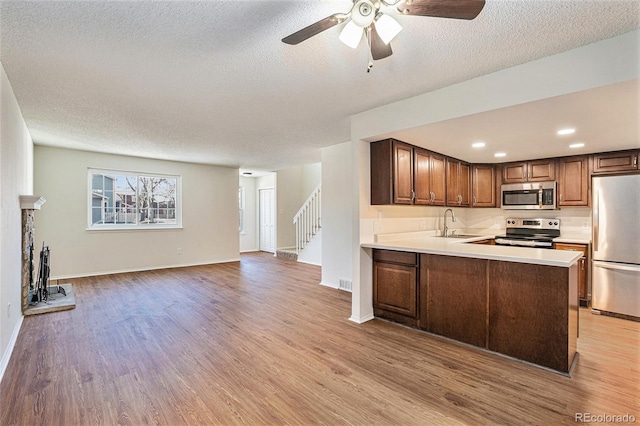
[(122, 200)]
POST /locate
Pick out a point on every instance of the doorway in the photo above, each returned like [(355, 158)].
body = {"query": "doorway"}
[(267, 220)]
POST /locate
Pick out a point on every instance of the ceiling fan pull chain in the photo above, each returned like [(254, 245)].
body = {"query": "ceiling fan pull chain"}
[(368, 31)]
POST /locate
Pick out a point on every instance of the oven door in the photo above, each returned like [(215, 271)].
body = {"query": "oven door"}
[(506, 241)]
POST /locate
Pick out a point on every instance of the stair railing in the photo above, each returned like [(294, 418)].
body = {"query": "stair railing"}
[(308, 219)]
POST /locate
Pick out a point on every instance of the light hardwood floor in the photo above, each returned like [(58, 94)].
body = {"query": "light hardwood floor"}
[(260, 342)]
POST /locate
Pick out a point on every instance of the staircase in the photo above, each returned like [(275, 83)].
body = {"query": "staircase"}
[(308, 221)]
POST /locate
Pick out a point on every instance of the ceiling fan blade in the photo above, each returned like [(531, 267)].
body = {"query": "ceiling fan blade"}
[(315, 28), (457, 9), (379, 50)]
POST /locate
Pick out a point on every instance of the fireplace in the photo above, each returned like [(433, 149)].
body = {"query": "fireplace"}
[(38, 296)]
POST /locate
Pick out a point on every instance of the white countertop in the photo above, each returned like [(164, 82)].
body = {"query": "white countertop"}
[(427, 242)]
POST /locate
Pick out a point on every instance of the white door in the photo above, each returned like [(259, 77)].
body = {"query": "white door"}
[(267, 220)]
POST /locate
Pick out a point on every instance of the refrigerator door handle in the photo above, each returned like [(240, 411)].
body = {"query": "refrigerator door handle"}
[(618, 266), (596, 219)]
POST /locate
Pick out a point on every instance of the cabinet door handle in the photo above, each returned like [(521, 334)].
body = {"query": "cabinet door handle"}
[(582, 262), (560, 197), (474, 200), (432, 196), (635, 161), (413, 195)]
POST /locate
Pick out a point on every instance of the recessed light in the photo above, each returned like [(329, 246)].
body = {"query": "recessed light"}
[(478, 144), (500, 154), (576, 145), (563, 132)]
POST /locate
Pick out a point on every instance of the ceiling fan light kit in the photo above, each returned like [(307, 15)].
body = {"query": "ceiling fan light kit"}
[(387, 28), (351, 34), (365, 16)]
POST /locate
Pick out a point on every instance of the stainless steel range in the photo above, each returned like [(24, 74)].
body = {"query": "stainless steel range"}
[(537, 233)]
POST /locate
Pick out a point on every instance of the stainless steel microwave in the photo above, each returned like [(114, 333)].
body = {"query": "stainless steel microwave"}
[(529, 196)]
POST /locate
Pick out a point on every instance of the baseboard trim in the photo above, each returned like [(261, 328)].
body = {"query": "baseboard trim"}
[(141, 269), (361, 320), (310, 263), (326, 284), (12, 343)]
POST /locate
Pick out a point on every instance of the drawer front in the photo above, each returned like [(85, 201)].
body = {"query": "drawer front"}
[(392, 256)]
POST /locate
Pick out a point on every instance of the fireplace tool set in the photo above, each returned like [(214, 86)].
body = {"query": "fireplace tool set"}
[(40, 290)]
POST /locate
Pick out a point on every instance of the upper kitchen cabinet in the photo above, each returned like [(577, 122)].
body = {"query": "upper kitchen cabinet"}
[(573, 181), (391, 172), (428, 177), (529, 171), (619, 161), (458, 183), (483, 178), (404, 174)]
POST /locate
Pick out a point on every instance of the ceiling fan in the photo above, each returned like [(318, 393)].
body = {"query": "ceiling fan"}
[(366, 17)]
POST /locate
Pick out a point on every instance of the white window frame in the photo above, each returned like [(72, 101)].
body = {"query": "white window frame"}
[(133, 226)]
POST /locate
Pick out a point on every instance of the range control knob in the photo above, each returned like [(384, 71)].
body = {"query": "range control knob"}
[(555, 223), (550, 223)]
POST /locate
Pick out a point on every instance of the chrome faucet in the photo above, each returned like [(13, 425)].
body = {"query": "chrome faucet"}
[(453, 218)]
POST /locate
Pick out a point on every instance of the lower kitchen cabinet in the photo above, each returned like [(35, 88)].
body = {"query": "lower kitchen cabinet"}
[(456, 300), (533, 313), (527, 311), (395, 286), (583, 269)]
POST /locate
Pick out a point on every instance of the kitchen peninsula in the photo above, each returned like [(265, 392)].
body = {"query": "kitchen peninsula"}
[(519, 302)]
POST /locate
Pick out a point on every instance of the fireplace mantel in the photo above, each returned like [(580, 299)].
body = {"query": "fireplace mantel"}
[(31, 202)]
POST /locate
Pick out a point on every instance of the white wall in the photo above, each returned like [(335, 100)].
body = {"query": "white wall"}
[(249, 238), (606, 62), (209, 216), (16, 178), (294, 185), (337, 205)]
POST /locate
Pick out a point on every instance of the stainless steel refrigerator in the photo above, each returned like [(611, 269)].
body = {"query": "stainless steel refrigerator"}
[(615, 280)]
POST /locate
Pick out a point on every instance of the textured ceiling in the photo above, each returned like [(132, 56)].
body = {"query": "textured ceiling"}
[(211, 81)]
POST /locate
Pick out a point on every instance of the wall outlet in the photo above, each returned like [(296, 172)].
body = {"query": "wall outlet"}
[(585, 225), (375, 225), (179, 250)]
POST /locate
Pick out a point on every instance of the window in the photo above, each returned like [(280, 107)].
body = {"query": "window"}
[(123, 200), (241, 209)]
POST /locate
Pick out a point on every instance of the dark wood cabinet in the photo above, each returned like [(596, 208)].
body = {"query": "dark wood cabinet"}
[(429, 177), (483, 178), (458, 183), (613, 162), (527, 311), (395, 286), (456, 298), (573, 181), (529, 171), (583, 269), (404, 174), (533, 313)]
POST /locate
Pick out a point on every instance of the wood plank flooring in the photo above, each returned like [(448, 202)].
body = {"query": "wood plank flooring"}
[(260, 342)]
